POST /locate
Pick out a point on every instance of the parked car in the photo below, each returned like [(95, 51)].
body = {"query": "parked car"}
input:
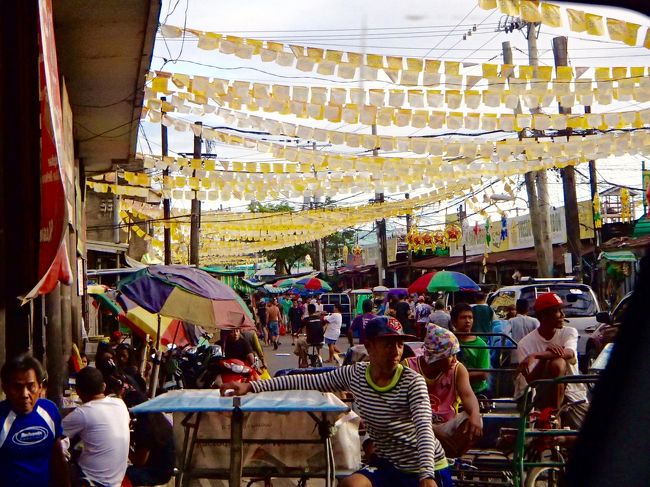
[(606, 330), (581, 311)]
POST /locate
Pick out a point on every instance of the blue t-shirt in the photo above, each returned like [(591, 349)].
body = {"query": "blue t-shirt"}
[(26, 443)]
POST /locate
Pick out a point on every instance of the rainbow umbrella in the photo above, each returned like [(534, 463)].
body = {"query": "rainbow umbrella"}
[(420, 284), (311, 284), (284, 283), (144, 323), (187, 294), (451, 281)]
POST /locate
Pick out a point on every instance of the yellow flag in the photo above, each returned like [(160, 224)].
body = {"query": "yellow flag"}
[(529, 11), (594, 24), (487, 4), (551, 15), (509, 7), (630, 35), (577, 21), (646, 42), (616, 29)]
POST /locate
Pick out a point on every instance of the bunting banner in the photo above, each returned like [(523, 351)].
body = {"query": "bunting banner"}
[(579, 21), (235, 234), (590, 146), (411, 71), (531, 89)]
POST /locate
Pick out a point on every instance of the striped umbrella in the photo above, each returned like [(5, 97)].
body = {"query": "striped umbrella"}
[(451, 281), (187, 294), (311, 284)]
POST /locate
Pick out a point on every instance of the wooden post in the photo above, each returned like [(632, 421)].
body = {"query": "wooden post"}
[(54, 345), (571, 214), (167, 212), (195, 226), (236, 443)]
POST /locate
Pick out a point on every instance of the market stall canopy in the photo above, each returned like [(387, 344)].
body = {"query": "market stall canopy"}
[(618, 256), (187, 294)]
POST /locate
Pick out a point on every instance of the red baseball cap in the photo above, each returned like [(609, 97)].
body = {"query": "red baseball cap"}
[(548, 300)]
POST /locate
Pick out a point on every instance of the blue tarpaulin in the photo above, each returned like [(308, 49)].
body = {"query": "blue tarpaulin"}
[(203, 400)]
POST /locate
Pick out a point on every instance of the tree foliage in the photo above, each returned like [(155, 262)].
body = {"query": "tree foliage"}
[(286, 258)]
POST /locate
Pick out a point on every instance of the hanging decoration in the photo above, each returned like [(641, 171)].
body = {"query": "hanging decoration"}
[(504, 226), (405, 71), (579, 21), (192, 93), (398, 115), (453, 233), (626, 214), (468, 147), (598, 220)]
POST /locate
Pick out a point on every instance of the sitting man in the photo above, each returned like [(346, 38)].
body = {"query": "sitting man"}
[(102, 424), (448, 385), (313, 327), (393, 403), (549, 352), (237, 347), (475, 354), (30, 438)]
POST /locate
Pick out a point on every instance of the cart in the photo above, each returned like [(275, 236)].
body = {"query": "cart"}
[(282, 434)]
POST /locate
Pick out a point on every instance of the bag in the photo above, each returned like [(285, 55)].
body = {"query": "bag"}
[(283, 330)]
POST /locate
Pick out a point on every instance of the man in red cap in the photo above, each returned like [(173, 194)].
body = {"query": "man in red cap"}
[(393, 403), (549, 352)]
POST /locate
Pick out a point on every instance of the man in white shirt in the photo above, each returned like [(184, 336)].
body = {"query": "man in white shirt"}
[(333, 321), (550, 352), (102, 424)]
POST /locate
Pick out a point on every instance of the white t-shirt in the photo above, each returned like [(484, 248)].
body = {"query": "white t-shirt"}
[(103, 426), (566, 337), (333, 329)]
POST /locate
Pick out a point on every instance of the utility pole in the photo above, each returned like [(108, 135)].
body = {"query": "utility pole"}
[(195, 222), (318, 245), (593, 186), (536, 181), (571, 214), (167, 212), (382, 262)]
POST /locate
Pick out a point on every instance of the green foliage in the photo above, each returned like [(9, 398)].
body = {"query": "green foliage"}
[(287, 257)]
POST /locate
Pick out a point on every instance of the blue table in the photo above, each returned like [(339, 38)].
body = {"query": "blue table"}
[(196, 402)]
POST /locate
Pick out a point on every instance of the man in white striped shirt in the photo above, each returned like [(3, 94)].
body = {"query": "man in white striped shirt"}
[(392, 402)]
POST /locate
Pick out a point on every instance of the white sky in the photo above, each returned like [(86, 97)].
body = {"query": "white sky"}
[(414, 28)]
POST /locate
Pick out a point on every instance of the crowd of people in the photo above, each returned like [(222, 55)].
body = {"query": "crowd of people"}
[(424, 400), (40, 446)]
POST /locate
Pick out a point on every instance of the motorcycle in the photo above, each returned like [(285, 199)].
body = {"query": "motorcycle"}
[(222, 370)]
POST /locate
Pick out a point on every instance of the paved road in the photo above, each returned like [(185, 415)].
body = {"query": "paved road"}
[(284, 358)]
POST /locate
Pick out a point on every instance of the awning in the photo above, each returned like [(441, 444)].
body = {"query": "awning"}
[(619, 256)]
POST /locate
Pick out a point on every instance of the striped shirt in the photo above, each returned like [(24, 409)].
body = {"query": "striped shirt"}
[(397, 416)]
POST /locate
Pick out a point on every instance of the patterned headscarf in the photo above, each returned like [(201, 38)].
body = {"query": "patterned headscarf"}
[(439, 343)]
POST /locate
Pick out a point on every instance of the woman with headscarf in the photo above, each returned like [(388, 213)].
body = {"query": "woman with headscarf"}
[(448, 386)]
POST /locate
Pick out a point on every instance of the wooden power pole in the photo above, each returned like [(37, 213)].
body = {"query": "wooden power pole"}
[(571, 214), (195, 222), (536, 181), (167, 212)]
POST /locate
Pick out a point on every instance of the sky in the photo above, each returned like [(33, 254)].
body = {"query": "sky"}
[(432, 29)]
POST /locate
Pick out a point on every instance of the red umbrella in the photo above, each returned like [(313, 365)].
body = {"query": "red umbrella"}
[(421, 283)]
